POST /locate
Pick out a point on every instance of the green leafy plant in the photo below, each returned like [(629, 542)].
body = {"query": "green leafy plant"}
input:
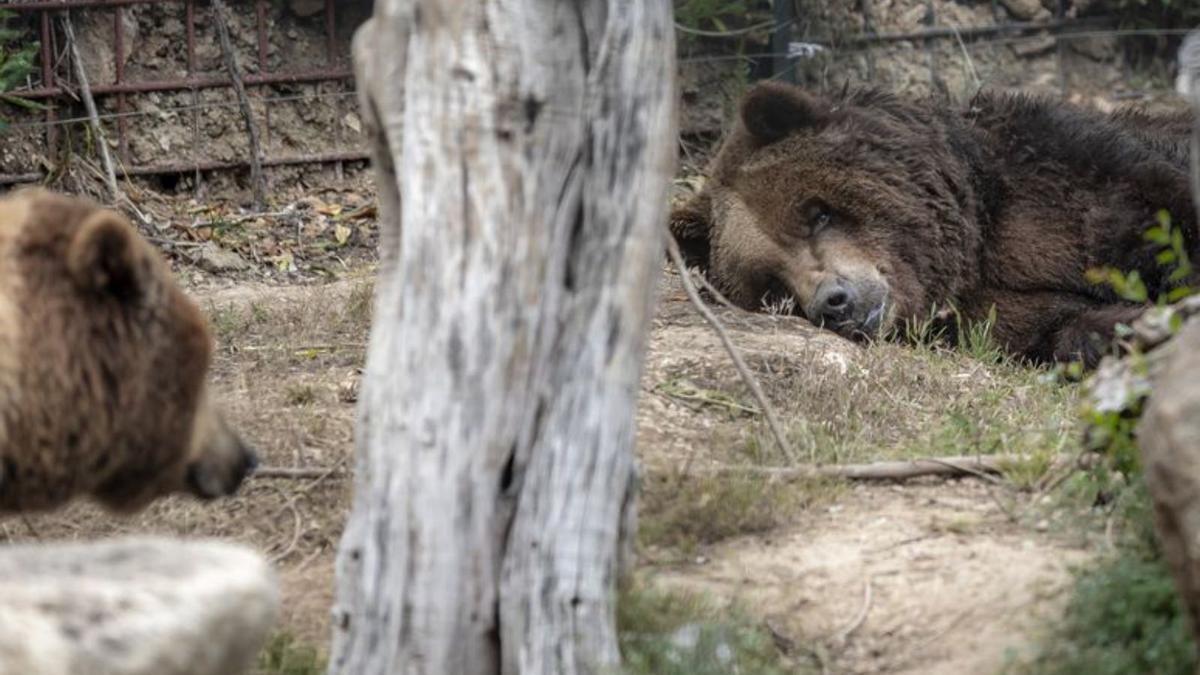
[(16, 62), (1172, 256), (1124, 615), (711, 14)]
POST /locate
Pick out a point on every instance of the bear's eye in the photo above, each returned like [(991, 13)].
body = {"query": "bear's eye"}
[(816, 216), (820, 219)]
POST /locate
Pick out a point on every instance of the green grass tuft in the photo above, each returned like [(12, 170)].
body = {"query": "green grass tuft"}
[(672, 633), (1125, 615), (284, 655), (686, 511)]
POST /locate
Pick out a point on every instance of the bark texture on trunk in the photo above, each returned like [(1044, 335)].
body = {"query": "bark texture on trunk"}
[(527, 147)]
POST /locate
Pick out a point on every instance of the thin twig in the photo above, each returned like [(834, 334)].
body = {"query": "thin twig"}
[(235, 74), (1007, 510), (89, 103), (296, 473), (233, 220), (29, 526), (967, 57), (176, 244), (336, 469), (289, 504), (764, 404), (839, 638), (920, 647), (712, 290)]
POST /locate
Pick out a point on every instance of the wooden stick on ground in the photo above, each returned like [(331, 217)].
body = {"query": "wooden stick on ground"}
[(976, 466), (235, 74), (295, 473), (751, 382), (89, 103)]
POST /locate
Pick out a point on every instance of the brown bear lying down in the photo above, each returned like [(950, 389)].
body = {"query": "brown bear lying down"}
[(103, 365), (869, 210)]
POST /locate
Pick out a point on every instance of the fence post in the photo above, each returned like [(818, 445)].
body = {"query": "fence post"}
[(781, 66)]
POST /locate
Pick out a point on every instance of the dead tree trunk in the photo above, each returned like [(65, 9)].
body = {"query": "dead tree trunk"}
[(526, 146)]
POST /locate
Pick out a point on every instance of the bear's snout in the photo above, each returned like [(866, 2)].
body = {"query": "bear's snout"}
[(220, 471), (853, 308)]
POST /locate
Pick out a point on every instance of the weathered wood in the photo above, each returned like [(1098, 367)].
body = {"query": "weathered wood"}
[(533, 143)]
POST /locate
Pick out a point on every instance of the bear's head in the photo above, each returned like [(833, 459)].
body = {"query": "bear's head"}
[(103, 377), (855, 212)]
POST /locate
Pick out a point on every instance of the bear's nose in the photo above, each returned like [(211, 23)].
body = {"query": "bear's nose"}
[(249, 462), (834, 302)]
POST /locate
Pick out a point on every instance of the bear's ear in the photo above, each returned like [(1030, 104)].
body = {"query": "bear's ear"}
[(772, 110), (104, 257), (691, 225)]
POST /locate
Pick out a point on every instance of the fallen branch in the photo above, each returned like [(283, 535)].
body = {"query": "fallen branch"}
[(747, 376), (976, 466), (235, 74), (296, 473), (89, 103)]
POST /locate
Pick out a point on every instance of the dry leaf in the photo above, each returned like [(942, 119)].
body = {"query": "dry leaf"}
[(285, 262)]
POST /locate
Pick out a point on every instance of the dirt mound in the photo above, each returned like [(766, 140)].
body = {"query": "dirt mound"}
[(954, 583)]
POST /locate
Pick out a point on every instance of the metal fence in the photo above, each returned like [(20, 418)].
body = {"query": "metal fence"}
[(794, 46), (796, 42), (55, 91)]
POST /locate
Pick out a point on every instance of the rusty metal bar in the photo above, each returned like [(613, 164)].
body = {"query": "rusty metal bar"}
[(190, 19), (17, 178), (50, 87), (331, 61), (119, 72), (188, 167), (330, 34), (318, 75), (260, 17), (263, 42), (42, 5), (48, 81)]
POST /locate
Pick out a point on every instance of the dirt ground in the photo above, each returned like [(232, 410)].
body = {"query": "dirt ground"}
[(930, 579), (953, 581)]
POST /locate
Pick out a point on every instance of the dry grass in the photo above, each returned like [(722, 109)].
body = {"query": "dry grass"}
[(897, 402), (840, 403), (685, 511)]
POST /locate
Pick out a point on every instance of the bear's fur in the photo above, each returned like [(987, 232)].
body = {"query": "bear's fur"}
[(869, 210), (103, 365)]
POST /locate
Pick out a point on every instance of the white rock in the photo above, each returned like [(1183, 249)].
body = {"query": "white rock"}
[(133, 607)]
